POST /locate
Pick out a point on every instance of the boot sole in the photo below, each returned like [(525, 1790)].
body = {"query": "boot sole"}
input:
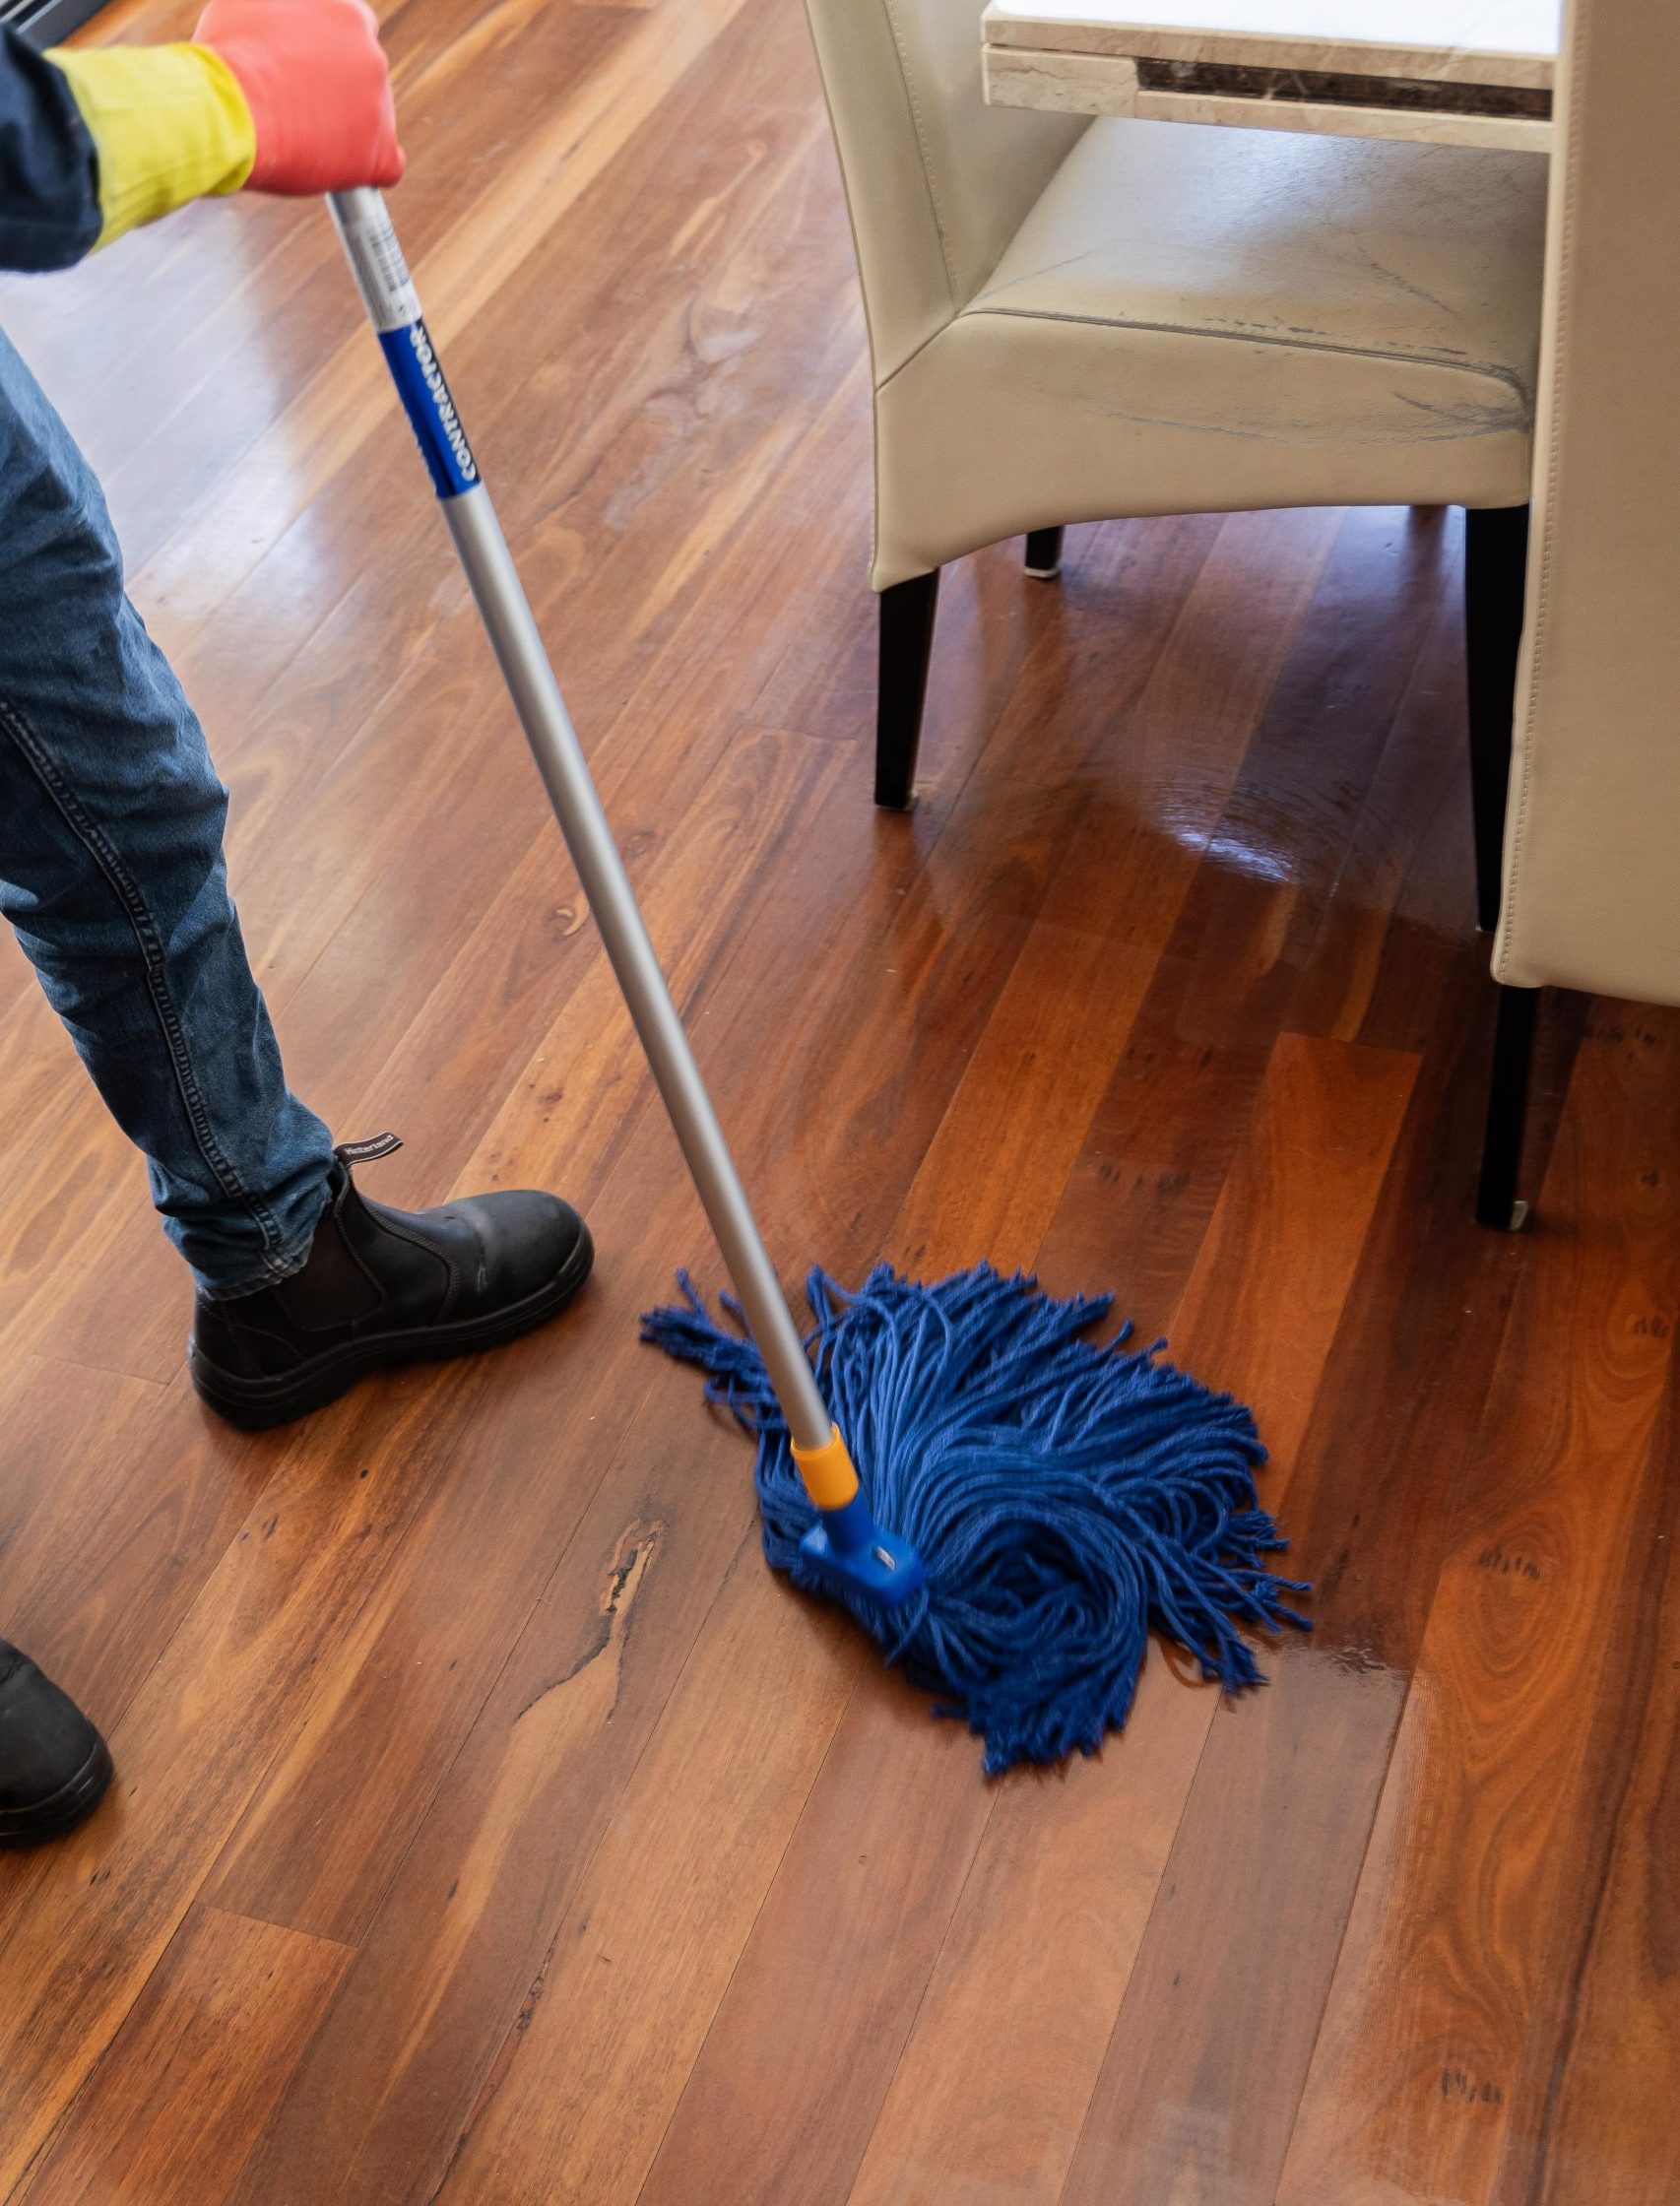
[(47, 1818), (256, 1404)]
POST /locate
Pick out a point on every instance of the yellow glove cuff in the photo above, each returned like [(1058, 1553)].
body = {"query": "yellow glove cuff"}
[(168, 123)]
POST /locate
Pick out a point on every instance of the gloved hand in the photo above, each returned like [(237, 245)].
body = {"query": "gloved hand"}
[(318, 86)]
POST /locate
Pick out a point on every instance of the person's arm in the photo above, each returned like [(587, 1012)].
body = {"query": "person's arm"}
[(277, 96), (49, 175), (168, 124)]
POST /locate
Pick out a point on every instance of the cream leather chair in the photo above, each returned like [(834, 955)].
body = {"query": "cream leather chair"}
[(1593, 853), (1072, 321)]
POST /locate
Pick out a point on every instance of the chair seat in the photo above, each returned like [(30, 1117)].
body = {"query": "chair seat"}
[(1357, 254)]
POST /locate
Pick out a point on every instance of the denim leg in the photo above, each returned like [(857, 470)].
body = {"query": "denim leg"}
[(112, 872)]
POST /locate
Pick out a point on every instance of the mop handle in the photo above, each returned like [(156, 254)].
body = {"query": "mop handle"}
[(382, 277)]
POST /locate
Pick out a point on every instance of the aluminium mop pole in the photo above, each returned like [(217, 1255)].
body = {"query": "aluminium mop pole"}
[(846, 1547)]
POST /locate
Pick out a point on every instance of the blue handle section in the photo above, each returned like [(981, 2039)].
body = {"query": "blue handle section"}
[(418, 377)]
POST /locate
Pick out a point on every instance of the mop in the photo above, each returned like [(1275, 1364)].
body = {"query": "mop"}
[(1032, 1501)]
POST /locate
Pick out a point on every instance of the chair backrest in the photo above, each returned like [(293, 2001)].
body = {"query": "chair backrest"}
[(1593, 843), (936, 182)]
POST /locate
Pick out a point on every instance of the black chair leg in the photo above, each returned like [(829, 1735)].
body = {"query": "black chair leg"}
[(907, 612), (1496, 567), (1497, 1202), (1044, 555)]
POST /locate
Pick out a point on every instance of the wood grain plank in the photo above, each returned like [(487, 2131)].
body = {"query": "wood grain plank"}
[(69, 1175), (460, 1944), (691, 1850), (1348, 696), (1252, 845), (173, 2107), (1160, 744), (984, 2102), (1157, 754), (1210, 2049), (1396, 919), (1413, 2086), (844, 895), (989, 2097), (119, 1499), (1604, 2046), (1026, 1098), (482, 1555), (84, 1925)]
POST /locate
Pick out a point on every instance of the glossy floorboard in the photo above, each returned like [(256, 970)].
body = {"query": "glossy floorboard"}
[(491, 1828)]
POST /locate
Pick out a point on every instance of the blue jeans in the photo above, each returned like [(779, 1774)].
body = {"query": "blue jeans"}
[(113, 873)]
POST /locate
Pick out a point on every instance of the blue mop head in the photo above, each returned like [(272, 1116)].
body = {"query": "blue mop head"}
[(1064, 1497)]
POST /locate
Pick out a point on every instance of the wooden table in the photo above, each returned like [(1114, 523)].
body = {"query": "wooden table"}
[(1454, 72)]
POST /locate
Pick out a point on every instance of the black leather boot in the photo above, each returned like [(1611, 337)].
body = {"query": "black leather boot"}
[(383, 1288), (54, 1766)]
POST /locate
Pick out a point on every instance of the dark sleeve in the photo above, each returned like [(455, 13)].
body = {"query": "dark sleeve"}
[(49, 176)]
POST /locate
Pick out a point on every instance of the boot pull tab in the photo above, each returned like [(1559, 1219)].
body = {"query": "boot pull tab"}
[(369, 1151)]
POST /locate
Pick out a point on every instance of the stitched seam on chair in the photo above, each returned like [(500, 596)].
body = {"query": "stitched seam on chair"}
[(1246, 336), (863, 293), (869, 318), (922, 149), (933, 338), (1567, 223), (145, 929)]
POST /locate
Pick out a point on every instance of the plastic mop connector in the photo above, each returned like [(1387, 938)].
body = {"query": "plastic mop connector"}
[(846, 1551)]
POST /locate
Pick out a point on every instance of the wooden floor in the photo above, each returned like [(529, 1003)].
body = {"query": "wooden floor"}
[(491, 1828)]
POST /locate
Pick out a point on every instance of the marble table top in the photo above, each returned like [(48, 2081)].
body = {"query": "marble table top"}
[(1475, 72)]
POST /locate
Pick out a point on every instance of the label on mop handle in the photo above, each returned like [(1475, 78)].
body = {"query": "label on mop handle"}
[(393, 306), (381, 273), (430, 408)]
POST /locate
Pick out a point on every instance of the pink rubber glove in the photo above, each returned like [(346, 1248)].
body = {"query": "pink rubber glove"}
[(318, 86)]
